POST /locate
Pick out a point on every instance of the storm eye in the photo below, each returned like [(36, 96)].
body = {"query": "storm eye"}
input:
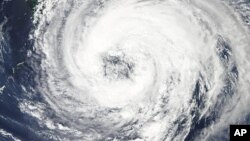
[(117, 67)]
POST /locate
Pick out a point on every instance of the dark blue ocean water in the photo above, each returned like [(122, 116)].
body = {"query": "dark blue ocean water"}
[(15, 16)]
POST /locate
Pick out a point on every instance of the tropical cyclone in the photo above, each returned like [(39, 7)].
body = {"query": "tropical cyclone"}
[(142, 70)]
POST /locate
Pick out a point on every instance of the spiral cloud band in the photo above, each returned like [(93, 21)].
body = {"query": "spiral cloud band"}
[(142, 70)]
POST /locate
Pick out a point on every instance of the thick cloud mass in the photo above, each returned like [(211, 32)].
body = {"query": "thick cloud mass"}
[(142, 70)]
